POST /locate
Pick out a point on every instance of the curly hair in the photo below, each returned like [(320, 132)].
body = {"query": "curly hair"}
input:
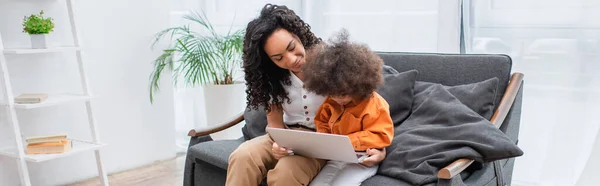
[(264, 79), (343, 68)]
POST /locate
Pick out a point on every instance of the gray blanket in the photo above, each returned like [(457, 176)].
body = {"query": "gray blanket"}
[(440, 130)]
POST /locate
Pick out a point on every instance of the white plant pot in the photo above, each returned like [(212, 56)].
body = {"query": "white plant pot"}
[(38, 41), (222, 103)]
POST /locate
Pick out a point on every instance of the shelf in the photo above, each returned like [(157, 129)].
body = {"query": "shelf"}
[(78, 146), (39, 51), (55, 99)]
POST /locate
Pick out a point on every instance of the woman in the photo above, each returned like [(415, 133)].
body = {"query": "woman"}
[(275, 49)]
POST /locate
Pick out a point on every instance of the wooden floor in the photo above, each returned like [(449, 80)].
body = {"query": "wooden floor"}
[(169, 172)]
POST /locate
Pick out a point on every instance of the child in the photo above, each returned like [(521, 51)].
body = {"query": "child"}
[(349, 74)]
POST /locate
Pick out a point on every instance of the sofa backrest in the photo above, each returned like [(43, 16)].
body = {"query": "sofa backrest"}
[(453, 69)]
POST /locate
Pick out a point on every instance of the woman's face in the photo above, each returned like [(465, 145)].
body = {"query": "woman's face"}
[(285, 50)]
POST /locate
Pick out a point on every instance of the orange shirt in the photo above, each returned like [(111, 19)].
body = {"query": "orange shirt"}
[(368, 123)]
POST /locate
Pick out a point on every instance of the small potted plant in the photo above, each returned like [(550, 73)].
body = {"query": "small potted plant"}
[(37, 26)]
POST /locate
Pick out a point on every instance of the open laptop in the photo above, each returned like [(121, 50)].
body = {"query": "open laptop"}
[(317, 145)]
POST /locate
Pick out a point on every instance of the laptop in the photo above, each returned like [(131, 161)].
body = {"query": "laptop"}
[(317, 145)]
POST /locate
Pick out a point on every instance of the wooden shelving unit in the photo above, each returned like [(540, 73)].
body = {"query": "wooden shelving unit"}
[(18, 152)]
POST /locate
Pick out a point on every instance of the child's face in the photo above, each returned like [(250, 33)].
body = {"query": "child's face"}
[(342, 100)]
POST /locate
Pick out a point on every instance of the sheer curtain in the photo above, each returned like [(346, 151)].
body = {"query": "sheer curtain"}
[(556, 44), (389, 25)]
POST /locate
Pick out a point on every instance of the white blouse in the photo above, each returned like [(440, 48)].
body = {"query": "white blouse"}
[(303, 106)]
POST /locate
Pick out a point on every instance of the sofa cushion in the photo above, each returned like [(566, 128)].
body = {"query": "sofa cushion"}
[(215, 152), (256, 122), (478, 96), (453, 69), (397, 90), (379, 180), (440, 130), (389, 70)]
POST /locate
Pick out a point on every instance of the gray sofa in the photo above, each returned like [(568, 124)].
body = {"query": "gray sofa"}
[(206, 161)]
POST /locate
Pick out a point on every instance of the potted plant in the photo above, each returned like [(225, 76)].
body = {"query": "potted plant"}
[(209, 60), (37, 26)]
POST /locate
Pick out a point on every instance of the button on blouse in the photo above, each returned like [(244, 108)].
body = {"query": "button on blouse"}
[(303, 104)]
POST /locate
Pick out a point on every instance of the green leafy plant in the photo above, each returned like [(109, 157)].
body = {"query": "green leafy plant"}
[(200, 58), (38, 24)]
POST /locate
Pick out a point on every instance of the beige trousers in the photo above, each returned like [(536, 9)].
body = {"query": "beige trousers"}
[(252, 161)]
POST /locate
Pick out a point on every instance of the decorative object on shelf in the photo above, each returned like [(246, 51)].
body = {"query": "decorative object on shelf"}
[(46, 139), (210, 60), (30, 98), (50, 148), (51, 144), (38, 26)]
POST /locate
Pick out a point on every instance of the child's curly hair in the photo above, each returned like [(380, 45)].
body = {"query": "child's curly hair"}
[(343, 68)]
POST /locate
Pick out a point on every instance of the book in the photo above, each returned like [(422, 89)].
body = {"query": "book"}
[(50, 147), (30, 98), (54, 138)]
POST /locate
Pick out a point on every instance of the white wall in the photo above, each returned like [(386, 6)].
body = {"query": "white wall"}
[(116, 36)]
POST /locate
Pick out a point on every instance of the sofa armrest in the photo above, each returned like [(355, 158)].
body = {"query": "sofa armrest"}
[(209, 130), (497, 119), (508, 99)]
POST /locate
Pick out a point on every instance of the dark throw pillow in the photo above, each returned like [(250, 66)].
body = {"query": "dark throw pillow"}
[(397, 90), (478, 96), (256, 122), (440, 130)]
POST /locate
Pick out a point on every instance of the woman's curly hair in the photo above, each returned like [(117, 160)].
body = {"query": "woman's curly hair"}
[(264, 79), (343, 68)]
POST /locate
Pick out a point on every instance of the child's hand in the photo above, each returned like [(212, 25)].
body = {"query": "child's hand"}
[(280, 152), (375, 156)]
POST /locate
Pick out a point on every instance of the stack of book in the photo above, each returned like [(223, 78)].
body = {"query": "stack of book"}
[(51, 144), (30, 98)]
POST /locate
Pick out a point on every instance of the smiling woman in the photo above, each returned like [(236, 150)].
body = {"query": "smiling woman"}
[(269, 60), (275, 46)]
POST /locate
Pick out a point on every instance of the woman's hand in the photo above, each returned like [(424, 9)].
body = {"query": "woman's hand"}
[(280, 152), (375, 156)]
